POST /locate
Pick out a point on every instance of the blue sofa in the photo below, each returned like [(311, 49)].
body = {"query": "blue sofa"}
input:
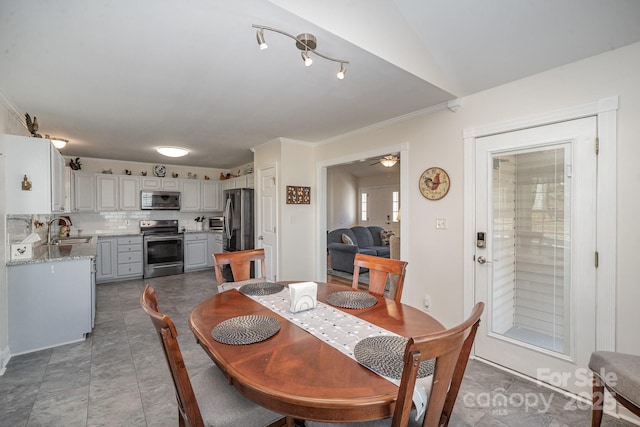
[(366, 241)]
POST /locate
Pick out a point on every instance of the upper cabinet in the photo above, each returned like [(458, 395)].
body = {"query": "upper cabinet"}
[(117, 193), (199, 196), (34, 175), (83, 192), (210, 196), (153, 183)]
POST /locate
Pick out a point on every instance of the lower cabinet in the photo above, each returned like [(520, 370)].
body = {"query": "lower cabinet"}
[(50, 304), (196, 251), (119, 258), (214, 241)]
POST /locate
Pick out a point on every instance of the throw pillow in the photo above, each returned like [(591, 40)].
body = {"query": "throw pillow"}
[(347, 240), (384, 237)]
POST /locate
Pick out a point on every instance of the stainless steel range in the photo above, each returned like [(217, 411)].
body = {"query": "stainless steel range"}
[(163, 247)]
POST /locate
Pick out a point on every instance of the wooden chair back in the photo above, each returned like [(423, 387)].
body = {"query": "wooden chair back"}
[(188, 409), (379, 271), (240, 263), (451, 349)]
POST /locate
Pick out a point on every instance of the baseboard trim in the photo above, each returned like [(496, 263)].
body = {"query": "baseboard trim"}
[(5, 355)]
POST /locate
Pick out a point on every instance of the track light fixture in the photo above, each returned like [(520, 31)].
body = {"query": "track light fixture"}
[(260, 36), (305, 42)]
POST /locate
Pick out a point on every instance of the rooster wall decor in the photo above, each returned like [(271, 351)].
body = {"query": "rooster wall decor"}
[(434, 183)]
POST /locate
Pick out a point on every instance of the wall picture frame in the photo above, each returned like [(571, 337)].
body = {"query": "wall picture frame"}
[(298, 195)]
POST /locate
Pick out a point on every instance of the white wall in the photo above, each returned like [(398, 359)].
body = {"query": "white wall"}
[(10, 123), (435, 256), (342, 199), (297, 245)]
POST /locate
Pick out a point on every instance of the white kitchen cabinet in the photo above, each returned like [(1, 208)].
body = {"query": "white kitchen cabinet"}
[(119, 258), (83, 192), (196, 251), (107, 259), (214, 243), (50, 304), (210, 194), (171, 184), (58, 177), (155, 183), (190, 197), (37, 161), (129, 193), (106, 192), (129, 257), (117, 193)]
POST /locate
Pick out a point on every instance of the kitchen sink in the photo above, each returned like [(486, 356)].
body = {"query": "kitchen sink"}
[(71, 240)]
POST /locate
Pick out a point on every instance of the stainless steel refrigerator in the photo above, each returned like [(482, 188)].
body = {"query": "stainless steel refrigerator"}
[(238, 220)]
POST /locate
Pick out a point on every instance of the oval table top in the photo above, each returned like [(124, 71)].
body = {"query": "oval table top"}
[(295, 373)]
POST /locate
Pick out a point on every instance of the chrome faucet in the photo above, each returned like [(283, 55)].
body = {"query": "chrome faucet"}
[(66, 221)]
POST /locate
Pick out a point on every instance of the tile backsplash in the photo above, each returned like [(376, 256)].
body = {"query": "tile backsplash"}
[(97, 223)]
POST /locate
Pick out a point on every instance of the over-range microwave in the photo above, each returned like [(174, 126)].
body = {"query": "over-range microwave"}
[(167, 200)]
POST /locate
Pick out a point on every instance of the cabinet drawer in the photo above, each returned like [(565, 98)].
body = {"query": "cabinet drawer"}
[(192, 237), (130, 240), (132, 269), (129, 248), (127, 257), (218, 237)]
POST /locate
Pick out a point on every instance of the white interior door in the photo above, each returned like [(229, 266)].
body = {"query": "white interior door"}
[(535, 250), (267, 220)]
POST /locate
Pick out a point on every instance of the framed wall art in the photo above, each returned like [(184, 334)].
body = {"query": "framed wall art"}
[(297, 195)]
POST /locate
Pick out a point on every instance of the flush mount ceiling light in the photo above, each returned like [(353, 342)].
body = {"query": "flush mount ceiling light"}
[(172, 151), (305, 42), (59, 143)]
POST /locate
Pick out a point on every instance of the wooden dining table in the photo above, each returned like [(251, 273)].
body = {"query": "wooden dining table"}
[(299, 375)]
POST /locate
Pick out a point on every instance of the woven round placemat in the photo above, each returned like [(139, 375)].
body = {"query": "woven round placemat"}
[(351, 299), (261, 288), (384, 355), (245, 330)]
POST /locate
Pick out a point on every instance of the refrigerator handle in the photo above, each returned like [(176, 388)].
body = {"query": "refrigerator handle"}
[(227, 218)]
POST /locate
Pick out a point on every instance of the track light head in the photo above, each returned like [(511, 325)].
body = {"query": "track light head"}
[(260, 37), (340, 74), (307, 59)]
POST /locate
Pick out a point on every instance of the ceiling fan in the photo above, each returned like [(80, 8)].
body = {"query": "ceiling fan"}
[(387, 161)]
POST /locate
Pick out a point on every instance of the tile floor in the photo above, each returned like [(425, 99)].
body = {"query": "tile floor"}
[(118, 376)]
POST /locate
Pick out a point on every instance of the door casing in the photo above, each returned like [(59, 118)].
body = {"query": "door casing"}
[(606, 112)]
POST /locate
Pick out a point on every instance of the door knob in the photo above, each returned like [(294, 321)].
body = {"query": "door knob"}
[(483, 260)]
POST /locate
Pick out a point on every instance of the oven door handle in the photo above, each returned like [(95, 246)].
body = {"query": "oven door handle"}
[(160, 238)]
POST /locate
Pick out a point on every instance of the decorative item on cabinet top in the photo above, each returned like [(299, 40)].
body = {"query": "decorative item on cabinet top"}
[(75, 164)]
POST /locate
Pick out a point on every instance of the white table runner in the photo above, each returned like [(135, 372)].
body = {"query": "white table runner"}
[(340, 330)]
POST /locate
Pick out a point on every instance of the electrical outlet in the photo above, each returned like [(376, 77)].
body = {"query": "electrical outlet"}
[(126, 222), (441, 223), (427, 302)]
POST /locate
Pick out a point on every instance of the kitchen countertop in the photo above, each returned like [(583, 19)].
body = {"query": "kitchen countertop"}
[(54, 253)]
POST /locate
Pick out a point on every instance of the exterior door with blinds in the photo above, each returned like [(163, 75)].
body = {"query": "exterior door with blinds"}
[(535, 251)]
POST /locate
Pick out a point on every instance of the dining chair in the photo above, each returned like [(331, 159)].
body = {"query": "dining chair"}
[(620, 374), (450, 349), (207, 399), (379, 271), (240, 264)]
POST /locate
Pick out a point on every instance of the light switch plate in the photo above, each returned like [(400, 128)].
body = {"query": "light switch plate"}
[(441, 223)]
